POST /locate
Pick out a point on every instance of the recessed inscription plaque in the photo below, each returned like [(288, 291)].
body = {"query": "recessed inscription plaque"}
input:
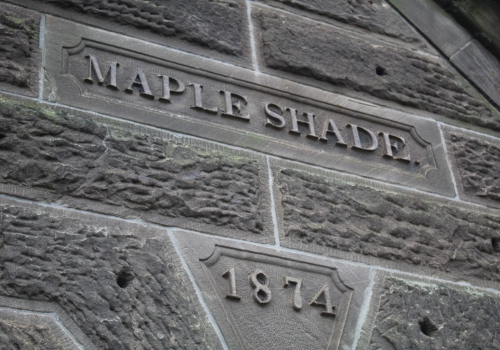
[(154, 85), (265, 299)]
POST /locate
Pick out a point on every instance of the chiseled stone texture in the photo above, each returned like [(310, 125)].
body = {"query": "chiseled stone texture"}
[(463, 318), (376, 16), (24, 336), (134, 172), (213, 24), (325, 216), (122, 284), (19, 53), (478, 163), (385, 71)]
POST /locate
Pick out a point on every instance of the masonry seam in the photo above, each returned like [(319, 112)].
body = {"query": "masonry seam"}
[(273, 204), (468, 43), (447, 157), (60, 324), (197, 290), (364, 309), (356, 176), (251, 34), (477, 133), (42, 58)]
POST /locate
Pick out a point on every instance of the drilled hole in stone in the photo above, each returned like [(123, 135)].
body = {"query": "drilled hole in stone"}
[(495, 243), (124, 278), (380, 71), (427, 327)]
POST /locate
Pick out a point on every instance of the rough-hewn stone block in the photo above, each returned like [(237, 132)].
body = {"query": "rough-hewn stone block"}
[(20, 336), (478, 167), (216, 25), (330, 216), (376, 16), (134, 173), (19, 53), (388, 72), (423, 315), (122, 284)]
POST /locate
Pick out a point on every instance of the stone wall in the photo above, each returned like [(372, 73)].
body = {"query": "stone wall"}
[(243, 175)]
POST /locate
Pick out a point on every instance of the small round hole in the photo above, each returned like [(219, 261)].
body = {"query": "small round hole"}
[(495, 243), (124, 278), (380, 71), (427, 327)]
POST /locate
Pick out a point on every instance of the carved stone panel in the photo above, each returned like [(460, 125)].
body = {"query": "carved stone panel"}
[(262, 298), (154, 85)]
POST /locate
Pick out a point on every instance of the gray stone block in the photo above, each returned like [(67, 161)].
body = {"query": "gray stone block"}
[(376, 16), (476, 161), (480, 18), (130, 172), (265, 298), (481, 67), (435, 24), (407, 313), (20, 51), (371, 223), (122, 284), (216, 25), (359, 63)]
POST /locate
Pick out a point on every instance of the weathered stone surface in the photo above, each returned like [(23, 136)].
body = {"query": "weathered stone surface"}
[(376, 16), (22, 336), (19, 53), (387, 72), (478, 164), (325, 216), (413, 315), (275, 308), (122, 284), (140, 173), (216, 25)]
